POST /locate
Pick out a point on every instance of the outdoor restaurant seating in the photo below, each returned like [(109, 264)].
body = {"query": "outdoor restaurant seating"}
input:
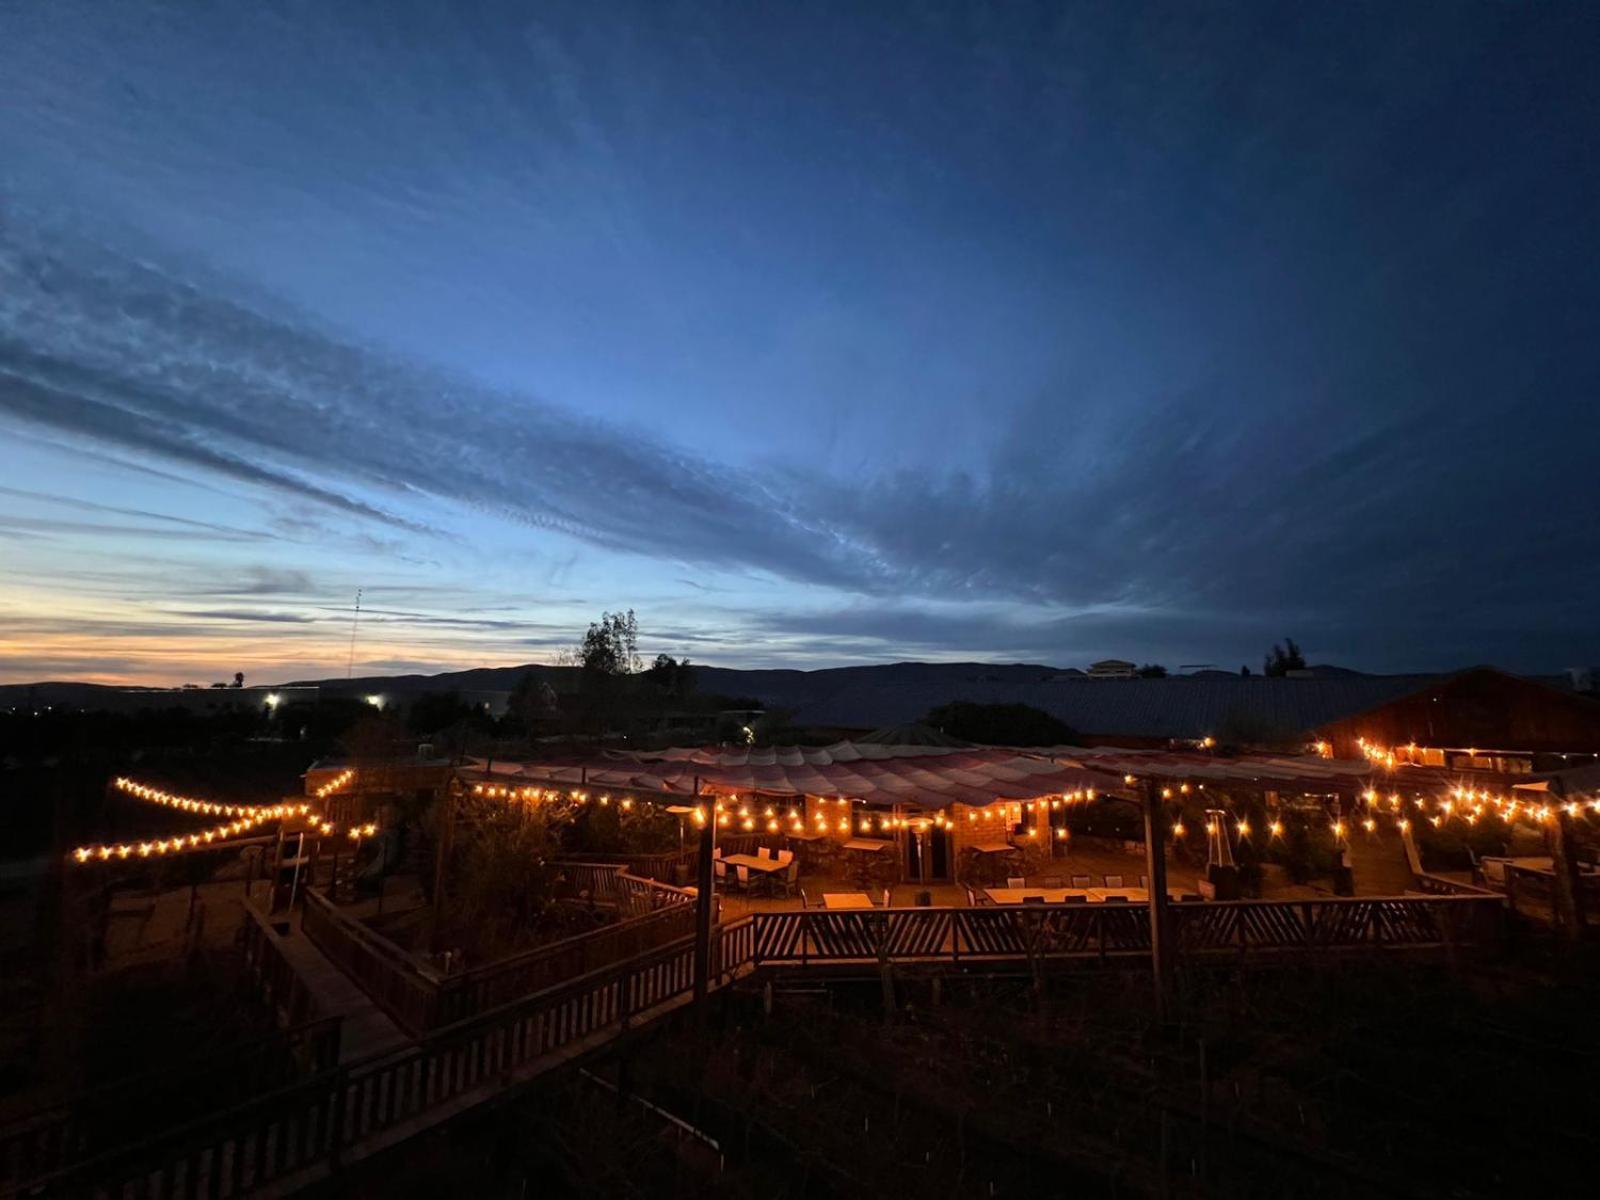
[(782, 881)]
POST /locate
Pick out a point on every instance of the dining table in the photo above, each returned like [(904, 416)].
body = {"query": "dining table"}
[(755, 862), (846, 900)]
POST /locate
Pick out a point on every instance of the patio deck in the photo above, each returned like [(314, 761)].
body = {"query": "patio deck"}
[(1096, 863)]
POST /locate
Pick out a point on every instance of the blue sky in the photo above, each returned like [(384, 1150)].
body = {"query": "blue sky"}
[(816, 334)]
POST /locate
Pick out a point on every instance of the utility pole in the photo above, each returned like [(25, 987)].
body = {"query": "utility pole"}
[(1156, 871), (350, 666)]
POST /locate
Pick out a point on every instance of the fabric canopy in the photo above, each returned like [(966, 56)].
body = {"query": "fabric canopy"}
[(927, 776)]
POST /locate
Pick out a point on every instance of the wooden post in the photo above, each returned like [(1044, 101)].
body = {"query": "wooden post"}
[(1156, 871), (441, 857), (1566, 896), (705, 906)]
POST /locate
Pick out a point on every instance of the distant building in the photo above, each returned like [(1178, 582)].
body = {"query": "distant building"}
[(1112, 668)]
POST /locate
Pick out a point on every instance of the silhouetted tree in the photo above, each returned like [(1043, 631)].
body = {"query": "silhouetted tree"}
[(673, 676), (1151, 671), (238, 679), (1283, 659), (611, 647), (531, 699)]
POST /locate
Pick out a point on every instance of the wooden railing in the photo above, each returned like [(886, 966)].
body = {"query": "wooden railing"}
[(94, 1121), (377, 966), (1028, 932), (294, 1135), (1532, 892), (419, 1000), (274, 977), (663, 868), (1427, 881), (489, 986), (614, 884)]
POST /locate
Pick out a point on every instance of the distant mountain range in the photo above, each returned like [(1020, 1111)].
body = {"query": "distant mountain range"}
[(774, 688)]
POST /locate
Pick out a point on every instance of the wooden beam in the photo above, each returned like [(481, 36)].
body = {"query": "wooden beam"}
[(1156, 877), (705, 907)]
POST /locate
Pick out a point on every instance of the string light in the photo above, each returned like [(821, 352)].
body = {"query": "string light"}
[(189, 804), (338, 783), (159, 847)]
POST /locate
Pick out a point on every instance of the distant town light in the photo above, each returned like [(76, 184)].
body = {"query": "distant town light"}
[(375, 701), (273, 699)]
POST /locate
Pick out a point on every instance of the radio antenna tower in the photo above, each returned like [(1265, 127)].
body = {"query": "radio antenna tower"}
[(350, 666)]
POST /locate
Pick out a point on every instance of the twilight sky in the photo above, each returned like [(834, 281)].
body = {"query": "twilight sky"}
[(815, 333)]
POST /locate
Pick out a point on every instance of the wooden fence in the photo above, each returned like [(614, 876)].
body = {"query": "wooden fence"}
[(1101, 931)]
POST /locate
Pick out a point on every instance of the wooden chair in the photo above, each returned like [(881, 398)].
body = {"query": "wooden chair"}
[(1113, 881), (720, 870), (1051, 881), (1016, 881), (1144, 882), (1076, 900), (1033, 899), (888, 898), (743, 877), (763, 852), (1115, 900), (1080, 881), (805, 901)]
